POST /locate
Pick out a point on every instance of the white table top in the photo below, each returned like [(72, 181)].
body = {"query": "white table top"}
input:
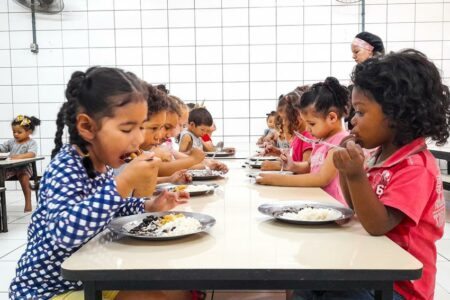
[(10, 162), (243, 238)]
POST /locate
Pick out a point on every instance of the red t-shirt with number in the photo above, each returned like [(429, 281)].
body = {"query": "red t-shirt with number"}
[(410, 182)]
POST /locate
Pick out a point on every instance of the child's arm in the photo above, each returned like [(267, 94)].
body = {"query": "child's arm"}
[(32, 150), (23, 155), (6, 146), (184, 162), (185, 143), (208, 146), (178, 177), (307, 155), (375, 217), (326, 174), (344, 189)]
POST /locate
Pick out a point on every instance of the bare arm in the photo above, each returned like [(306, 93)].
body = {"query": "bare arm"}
[(184, 162), (326, 174), (185, 143), (375, 217), (24, 155), (208, 146)]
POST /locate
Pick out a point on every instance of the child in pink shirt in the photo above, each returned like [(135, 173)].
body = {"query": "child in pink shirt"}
[(291, 120), (322, 108), (399, 101)]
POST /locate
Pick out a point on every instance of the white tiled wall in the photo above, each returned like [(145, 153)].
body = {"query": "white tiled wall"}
[(238, 55)]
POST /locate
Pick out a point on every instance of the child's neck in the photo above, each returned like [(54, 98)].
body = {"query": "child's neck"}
[(24, 140), (334, 131), (386, 151)]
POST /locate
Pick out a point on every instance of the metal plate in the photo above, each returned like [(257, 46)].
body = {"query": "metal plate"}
[(219, 154), (119, 225), (256, 173), (209, 190), (195, 176), (276, 210), (262, 158)]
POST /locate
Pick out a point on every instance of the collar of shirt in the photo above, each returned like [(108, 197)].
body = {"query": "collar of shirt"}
[(400, 155)]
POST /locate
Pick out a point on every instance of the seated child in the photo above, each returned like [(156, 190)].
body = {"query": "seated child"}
[(290, 114), (322, 108), (399, 102), (200, 120), (104, 112), (22, 146), (270, 120)]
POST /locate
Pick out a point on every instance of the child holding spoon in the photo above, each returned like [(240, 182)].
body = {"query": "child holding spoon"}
[(322, 108)]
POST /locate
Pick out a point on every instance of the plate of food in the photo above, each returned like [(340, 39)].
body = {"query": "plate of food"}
[(205, 174), (219, 154), (263, 158), (194, 189), (257, 173), (306, 212), (165, 225)]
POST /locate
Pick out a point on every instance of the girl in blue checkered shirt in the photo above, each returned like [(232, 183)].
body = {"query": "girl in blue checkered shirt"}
[(104, 113)]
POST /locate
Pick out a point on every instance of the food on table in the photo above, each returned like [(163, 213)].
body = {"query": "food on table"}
[(204, 173), (312, 214), (168, 225)]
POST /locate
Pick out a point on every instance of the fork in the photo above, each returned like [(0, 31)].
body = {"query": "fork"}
[(311, 141)]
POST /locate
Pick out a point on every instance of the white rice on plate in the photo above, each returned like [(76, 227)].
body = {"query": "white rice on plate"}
[(164, 226), (313, 214)]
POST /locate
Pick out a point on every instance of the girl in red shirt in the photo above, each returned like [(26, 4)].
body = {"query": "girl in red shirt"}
[(399, 102)]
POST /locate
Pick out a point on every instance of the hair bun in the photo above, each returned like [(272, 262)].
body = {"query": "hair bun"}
[(74, 85)]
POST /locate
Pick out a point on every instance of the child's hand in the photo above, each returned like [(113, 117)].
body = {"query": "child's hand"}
[(266, 179), (271, 150), (345, 140), (166, 201), (286, 160), (180, 176), (350, 160), (216, 165), (141, 169), (270, 166)]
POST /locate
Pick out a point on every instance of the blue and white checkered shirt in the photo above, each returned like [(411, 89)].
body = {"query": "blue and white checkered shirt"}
[(72, 209)]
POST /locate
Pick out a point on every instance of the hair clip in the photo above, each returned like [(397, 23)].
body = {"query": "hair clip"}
[(24, 121)]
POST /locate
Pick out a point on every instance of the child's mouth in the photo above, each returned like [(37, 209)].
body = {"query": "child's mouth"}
[(127, 157)]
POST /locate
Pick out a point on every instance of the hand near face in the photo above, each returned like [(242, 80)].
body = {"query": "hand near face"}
[(350, 160), (166, 201), (141, 169)]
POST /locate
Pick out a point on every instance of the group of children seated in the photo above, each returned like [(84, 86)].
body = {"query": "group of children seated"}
[(117, 121), (398, 102)]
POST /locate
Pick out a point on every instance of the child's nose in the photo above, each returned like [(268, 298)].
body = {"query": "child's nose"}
[(138, 139)]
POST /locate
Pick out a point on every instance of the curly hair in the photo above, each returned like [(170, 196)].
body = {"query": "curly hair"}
[(26, 122), (289, 104), (326, 96), (409, 89), (157, 100)]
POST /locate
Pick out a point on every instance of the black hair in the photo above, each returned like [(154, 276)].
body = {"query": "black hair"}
[(156, 100), (200, 116), (96, 92), (271, 114), (374, 40), (175, 105), (163, 88), (409, 89), (191, 106), (326, 96), (26, 122), (351, 112)]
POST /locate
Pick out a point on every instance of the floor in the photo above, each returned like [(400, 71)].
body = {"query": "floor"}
[(13, 244)]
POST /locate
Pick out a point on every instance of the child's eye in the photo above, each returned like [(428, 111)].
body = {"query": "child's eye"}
[(359, 113)]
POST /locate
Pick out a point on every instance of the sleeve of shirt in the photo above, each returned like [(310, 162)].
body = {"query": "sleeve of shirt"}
[(32, 147), (131, 206), (5, 147), (75, 218), (409, 191)]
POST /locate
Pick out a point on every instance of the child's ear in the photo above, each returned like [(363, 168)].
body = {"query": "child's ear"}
[(333, 117), (86, 127)]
